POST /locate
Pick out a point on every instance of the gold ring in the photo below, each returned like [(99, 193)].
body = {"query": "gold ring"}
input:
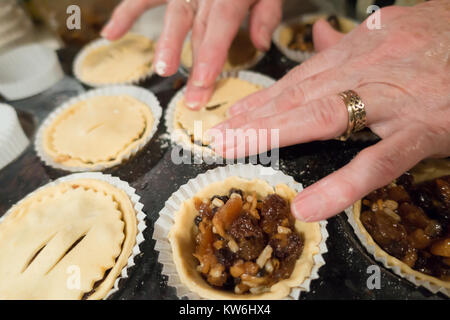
[(356, 113)]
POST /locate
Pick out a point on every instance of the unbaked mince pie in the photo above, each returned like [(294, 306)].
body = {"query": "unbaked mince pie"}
[(126, 60), (243, 242), (66, 241), (409, 220), (97, 131), (226, 93)]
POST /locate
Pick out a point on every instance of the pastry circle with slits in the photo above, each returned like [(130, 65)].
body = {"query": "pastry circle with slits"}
[(226, 93), (122, 61), (97, 130), (59, 242)]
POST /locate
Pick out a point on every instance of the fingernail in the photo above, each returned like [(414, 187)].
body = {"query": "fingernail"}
[(192, 105), (308, 207), (106, 29), (202, 75), (161, 67), (265, 37), (195, 99), (162, 61)]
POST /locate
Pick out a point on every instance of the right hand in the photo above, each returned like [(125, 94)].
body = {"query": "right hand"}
[(214, 25)]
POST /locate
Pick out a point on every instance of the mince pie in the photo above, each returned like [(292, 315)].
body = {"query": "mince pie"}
[(123, 61), (227, 92), (299, 36), (409, 220), (243, 242), (66, 241), (97, 131), (241, 55)]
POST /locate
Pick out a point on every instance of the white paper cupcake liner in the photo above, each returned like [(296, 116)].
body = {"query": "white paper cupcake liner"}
[(77, 63), (143, 95), (382, 259), (13, 140), (131, 193), (28, 70), (183, 139), (297, 55), (247, 171)]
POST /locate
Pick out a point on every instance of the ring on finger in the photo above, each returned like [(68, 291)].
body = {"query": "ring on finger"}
[(356, 109)]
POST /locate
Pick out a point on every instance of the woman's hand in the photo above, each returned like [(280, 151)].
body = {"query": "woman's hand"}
[(401, 72), (214, 25)]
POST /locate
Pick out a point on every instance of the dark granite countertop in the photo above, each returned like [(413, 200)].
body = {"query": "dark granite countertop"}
[(154, 176)]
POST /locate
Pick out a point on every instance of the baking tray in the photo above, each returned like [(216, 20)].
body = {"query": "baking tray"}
[(154, 176)]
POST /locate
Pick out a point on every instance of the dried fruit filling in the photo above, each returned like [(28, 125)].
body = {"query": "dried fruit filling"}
[(303, 34), (245, 244), (412, 223)]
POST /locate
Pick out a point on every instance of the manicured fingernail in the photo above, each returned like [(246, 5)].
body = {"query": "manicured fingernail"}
[(163, 59), (195, 98), (265, 37), (193, 104), (161, 67), (202, 75), (308, 207)]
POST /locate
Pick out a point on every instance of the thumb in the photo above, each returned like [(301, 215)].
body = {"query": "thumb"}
[(324, 35)]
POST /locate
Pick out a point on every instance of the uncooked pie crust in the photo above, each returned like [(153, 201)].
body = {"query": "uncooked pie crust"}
[(100, 130), (40, 247), (227, 92), (427, 170), (123, 61), (182, 242)]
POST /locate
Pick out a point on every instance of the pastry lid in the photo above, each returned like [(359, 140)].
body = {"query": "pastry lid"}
[(28, 70)]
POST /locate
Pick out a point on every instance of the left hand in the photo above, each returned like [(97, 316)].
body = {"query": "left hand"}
[(401, 72)]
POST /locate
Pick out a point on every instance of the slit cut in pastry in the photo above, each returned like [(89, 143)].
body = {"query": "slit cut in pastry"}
[(60, 242), (100, 130), (226, 93)]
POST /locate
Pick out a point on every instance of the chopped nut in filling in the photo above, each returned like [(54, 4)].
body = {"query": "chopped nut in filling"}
[(245, 244), (412, 223)]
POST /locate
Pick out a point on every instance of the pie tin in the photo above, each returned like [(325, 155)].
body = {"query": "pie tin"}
[(371, 248), (297, 55), (12, 138), (79, 58), (145, 96), (119, 184), (183, 139), (166, 221)]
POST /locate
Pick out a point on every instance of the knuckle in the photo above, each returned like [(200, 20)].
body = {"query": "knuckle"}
[(181, 8), (228, 9), (294, 93), (383, 165), (324, 114)]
